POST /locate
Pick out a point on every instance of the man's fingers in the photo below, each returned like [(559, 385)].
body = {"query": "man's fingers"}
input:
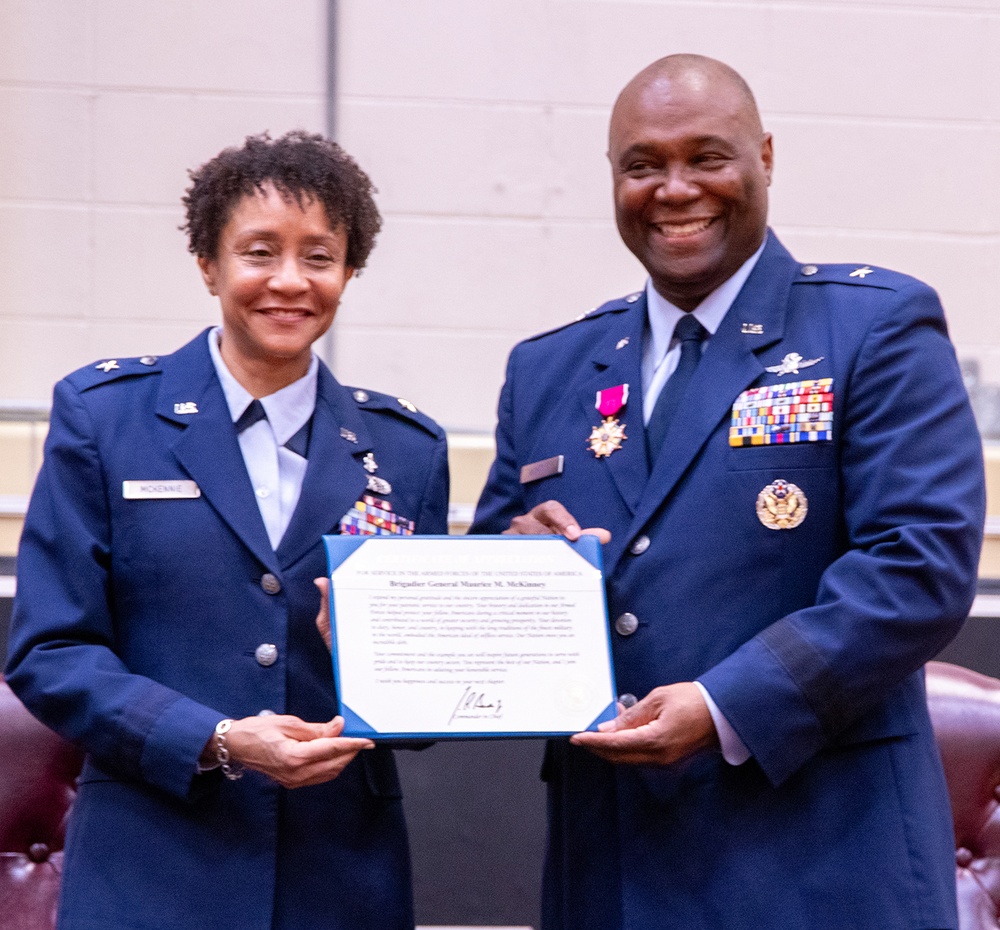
[(323, 617), (551, 518)]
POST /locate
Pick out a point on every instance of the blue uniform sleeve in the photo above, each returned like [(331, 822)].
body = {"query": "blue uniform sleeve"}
[(433, 518), (62, 661), (501, 499), (913, 505)]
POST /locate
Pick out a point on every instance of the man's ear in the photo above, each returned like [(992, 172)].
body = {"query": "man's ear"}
[(207, 268), (767, 155)]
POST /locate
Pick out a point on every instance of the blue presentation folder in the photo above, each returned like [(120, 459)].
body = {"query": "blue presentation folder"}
[(341, 547)]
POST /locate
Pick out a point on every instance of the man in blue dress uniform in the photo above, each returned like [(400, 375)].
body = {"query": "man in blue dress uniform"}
[(782, 460)]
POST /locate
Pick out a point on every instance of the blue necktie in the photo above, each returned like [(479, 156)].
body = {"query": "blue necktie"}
[(299, 443), (690, 334), (253, 414)]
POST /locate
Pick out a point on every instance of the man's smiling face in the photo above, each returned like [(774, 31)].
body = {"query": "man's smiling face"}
[(691, 167)]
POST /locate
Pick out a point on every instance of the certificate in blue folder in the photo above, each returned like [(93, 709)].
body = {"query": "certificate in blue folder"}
[(469, 637)]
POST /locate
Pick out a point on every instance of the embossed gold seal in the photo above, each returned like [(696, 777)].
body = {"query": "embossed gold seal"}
[(782, 505), (607, 437)]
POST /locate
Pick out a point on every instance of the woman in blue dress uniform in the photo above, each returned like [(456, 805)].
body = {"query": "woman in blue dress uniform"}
[(164, 618)]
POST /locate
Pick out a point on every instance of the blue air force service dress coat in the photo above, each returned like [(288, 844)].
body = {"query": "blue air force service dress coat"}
[(803, 576), (140, 623)]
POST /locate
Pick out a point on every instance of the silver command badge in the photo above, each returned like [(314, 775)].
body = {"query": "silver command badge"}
[(782, 505)]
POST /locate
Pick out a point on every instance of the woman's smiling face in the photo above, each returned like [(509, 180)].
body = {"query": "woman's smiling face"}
[(279, 271)]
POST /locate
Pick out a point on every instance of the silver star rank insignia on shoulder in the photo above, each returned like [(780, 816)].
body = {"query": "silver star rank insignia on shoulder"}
[(791, 364)]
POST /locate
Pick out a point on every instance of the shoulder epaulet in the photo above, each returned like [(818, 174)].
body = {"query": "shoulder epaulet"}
[(114, 369), (400, 406), (612, 306), (864, 275)]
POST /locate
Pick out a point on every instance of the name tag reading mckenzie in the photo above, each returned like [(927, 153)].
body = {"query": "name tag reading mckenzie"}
[(165, 490), (469, 636)]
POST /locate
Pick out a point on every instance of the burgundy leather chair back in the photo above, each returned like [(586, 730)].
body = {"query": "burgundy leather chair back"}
[(965, 711), (37, 785)]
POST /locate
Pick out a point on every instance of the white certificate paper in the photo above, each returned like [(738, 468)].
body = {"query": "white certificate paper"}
[(469, 636)]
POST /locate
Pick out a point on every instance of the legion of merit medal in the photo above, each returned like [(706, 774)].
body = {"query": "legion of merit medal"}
[(608, 436), (782, 505)]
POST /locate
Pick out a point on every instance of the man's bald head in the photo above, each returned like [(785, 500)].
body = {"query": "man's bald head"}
[(691, 166), (700, 74)]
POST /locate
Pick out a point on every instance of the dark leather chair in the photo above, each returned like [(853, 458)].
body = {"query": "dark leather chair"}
[(965, 710), (38, 774), (37, 785)]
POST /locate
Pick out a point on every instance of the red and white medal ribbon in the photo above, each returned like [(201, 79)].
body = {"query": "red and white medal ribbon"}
[(611, 400), (608, 436)]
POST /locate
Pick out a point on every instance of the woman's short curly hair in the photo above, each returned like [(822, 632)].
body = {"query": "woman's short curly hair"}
[(300, 165)]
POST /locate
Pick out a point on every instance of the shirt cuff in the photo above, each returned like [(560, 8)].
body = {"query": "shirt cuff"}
[(734, 751)]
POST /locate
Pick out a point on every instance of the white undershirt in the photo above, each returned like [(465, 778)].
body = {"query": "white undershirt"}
[(660, 355), (276, 473), (660, 351)]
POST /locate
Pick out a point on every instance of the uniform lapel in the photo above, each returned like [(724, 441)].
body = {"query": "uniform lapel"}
[(207, 447), (335, 477), (728, 367), (612, 366)]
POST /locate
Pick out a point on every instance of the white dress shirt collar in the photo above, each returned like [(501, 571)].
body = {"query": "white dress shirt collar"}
[(288, 410), (663, 315)]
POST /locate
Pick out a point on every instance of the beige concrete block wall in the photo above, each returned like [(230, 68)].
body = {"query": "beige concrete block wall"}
[(483, 124), (104, 105)]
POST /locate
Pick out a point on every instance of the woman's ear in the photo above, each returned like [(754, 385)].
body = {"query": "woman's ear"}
[(207, 268)]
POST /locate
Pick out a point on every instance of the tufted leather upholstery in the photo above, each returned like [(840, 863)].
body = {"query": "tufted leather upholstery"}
[(965, 710), (38, 772), (37, 785)]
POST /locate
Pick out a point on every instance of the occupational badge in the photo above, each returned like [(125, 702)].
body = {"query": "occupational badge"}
[(791, 364), (609, 434), (375, 484), (782, 505), (378, 485)]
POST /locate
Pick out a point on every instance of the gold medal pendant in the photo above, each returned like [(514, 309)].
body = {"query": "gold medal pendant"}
[(782, 505), (607, 437)]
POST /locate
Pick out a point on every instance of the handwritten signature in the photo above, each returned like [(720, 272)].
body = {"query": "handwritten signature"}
[(476, 704)]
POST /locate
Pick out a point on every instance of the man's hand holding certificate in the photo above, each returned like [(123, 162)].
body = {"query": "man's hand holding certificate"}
[(438, 636)]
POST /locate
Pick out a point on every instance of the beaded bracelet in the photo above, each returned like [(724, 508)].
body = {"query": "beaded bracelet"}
[(232, 770)]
